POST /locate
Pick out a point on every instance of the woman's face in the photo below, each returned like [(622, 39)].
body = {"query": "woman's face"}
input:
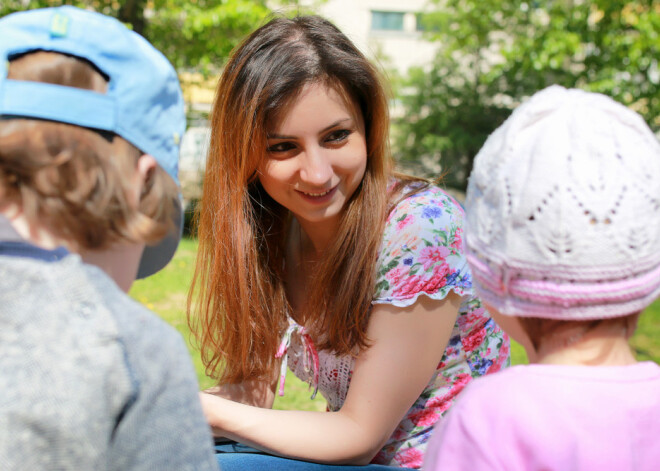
[(316, 157)]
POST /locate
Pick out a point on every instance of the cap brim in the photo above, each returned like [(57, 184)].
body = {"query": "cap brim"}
[(155, 257)]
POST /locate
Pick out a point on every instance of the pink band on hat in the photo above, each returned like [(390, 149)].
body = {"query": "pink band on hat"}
[(566, 292)]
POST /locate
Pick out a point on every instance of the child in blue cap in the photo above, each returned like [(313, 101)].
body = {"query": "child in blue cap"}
[(90, 121)]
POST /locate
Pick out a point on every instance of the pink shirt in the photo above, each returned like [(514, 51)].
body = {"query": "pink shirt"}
[(549, 417)]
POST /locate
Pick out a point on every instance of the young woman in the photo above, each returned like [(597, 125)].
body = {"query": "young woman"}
[(315, 255)]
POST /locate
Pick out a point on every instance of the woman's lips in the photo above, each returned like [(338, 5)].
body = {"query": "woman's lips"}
[(319, 196)]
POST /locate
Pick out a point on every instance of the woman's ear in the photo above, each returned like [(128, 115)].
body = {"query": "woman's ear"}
[(146, 165)]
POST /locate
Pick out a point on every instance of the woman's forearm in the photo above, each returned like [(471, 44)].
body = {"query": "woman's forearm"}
[(407, 344), (326, 437)]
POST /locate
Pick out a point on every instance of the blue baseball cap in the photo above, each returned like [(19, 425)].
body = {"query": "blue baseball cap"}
[(143, 103)]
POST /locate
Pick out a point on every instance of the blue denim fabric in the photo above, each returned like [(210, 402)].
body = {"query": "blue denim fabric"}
[(238, 457)]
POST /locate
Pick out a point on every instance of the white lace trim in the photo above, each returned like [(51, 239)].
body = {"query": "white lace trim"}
[(438, 295)]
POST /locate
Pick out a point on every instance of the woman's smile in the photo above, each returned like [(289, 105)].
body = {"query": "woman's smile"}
[(319, 197)]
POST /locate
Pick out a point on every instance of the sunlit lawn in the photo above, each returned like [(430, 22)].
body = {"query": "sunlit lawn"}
[(165, 294)]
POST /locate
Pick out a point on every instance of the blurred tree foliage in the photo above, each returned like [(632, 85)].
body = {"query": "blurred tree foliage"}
[(495, 53), (193, 34)]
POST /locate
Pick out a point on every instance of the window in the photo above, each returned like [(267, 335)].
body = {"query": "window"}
[(387, 20)]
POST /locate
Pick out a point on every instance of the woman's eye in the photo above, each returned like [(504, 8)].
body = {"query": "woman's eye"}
[(338, 136), (280, 147)]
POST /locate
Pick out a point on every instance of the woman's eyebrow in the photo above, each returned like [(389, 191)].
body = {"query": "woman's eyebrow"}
[(282, 136)]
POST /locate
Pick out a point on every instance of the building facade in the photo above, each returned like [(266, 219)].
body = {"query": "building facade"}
[(387, 31)]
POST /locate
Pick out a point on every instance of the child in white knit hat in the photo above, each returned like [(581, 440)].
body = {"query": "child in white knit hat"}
[(563, 240)]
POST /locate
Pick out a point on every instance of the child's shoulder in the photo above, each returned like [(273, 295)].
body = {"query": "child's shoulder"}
[(137, 324), (152, 348), (510, 389), (498, 385), (521, 383)]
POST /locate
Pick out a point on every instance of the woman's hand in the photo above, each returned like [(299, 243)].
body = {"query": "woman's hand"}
[(212, 407), (215, 399)]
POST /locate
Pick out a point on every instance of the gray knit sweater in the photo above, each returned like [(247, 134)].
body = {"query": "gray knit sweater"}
[(89, 379)]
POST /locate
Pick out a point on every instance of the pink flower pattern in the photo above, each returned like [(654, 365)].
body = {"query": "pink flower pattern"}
[(422, 254), (410, 458), (404, 222), (474, 340), (429, 256)]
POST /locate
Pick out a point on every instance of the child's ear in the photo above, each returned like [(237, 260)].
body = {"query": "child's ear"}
[(146, 165)]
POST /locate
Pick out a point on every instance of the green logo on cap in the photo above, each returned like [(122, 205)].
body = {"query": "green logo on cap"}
[(59, 26)]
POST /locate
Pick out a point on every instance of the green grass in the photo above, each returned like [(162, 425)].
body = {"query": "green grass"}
[(165, 294)]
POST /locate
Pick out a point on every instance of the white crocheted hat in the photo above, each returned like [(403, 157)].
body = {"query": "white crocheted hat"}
[(563, 210)]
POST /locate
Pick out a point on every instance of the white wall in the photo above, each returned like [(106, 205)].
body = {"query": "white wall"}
[(403, 48)]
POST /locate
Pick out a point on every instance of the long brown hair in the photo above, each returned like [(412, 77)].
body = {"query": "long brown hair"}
[(72, 179), (237, 305)]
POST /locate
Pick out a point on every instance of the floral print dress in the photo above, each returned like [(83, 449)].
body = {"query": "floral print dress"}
[(421, 254)]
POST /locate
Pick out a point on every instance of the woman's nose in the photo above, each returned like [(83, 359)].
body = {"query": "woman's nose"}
[(316, 168)]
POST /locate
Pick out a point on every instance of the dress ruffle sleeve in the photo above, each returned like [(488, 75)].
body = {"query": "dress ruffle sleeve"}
[(422, 250)]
